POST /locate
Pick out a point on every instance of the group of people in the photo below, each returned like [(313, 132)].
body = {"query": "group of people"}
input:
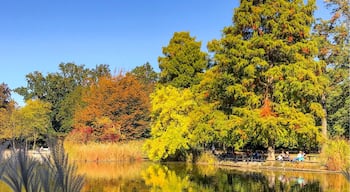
[(284, 156)]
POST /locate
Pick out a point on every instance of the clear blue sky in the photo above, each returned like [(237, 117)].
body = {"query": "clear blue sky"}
[(37, 35)]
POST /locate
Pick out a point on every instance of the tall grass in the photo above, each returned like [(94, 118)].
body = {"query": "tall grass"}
[(21, 172), (105, 152)]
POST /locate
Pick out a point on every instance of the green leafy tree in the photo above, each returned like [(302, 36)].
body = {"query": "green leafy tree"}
[(145, 74), (36, 119), (265, 69), (183, 62), (333, 36), (67, 108), (55, 87)]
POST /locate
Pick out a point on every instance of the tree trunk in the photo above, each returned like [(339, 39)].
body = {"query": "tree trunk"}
[(324, 122), (324, 127), (34, 142), (324, 118)]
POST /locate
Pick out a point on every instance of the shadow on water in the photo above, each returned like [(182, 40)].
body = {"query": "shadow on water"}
[(170, 177)]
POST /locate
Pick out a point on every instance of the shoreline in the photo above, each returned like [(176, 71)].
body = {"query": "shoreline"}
[(277, 166)]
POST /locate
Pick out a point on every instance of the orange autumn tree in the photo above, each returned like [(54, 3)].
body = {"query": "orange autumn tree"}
[(115, 108)]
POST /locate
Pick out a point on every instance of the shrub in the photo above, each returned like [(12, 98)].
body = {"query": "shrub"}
[(207, 158), (336, 154)]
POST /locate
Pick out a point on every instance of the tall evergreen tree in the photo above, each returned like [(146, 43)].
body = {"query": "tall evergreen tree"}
[(266, 73), (183, 61)]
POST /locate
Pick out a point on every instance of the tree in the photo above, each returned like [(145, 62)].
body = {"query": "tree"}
[(182, 122), (55, 87), (9, 123), (333, 36), (183, 61), (170, 128), (145, 74), (265, 69), (36, 119), (114, 107), (67, 108), (5, 95), (9, 119)]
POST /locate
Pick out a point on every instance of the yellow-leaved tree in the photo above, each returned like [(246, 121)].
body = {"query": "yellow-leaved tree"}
[(35, 120)]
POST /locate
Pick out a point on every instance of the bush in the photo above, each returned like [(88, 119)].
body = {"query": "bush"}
[(336, 154), (207, 158)]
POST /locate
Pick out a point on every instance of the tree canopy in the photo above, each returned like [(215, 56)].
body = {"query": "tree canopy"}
[(183, 61), (55, 87), (277, 78), (116, 108), (333, 41)]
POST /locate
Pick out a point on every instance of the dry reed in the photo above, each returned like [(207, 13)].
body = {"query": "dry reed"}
[(105, 152)]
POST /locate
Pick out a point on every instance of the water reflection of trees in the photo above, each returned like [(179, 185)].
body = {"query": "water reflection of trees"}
[(181, 177), (163, 178)]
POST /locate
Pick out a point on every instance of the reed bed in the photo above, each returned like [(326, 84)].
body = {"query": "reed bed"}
[(105, 152)]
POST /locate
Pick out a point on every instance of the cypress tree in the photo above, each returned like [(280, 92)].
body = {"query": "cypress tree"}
[(183, 61), (266, 73)]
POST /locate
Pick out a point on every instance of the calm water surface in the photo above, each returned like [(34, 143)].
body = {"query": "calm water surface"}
[(145, 177), (112, 177)]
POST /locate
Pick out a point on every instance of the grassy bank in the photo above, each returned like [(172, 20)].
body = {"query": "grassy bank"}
[(105, 152)]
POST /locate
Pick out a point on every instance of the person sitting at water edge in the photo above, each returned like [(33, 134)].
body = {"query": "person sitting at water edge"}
[(286, 156), (281, 156), (300, 156)]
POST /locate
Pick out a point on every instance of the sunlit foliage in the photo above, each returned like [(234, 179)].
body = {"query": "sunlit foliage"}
[(183, 63), (116, 108)]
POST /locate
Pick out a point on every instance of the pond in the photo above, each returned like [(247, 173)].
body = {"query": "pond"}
[(144, 177), (181, 177)]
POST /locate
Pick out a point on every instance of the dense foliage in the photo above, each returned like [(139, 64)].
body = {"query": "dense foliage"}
[(56, 88), (333, 37), (115, 108), (277, 78), (183, 61), (265, 81)]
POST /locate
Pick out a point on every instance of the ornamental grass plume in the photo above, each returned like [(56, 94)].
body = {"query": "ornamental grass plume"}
[(21, 172), (63, 172)]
